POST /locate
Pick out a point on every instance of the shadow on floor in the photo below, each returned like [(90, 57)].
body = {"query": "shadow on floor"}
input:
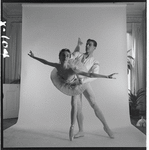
[(10, 122)]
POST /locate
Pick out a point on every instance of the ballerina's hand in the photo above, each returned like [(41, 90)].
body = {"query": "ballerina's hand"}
[(111, 76), (31, 54), (77, 82)]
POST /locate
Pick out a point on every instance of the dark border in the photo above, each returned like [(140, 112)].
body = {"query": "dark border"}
[(56, 1)]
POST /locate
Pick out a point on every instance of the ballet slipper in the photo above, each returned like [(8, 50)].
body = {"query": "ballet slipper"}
[(79, 134), (109, 132), (79, 41)]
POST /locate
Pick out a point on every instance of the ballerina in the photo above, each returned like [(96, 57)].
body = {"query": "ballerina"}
[(67, 75)]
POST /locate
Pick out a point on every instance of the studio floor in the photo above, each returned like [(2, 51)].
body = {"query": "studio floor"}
[(124, 137)]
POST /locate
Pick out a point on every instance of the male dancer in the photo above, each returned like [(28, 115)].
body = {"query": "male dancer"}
[(92, 66)]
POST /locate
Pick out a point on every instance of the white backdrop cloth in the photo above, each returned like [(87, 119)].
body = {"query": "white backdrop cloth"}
[(44, 115)]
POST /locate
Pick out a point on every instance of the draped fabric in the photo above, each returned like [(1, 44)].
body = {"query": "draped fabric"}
[(138, 52), (13, 63)]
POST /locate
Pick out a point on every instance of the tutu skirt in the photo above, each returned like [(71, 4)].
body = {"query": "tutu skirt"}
[(65, 87)]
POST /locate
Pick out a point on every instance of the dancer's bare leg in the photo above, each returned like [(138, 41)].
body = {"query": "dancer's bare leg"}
[(79, 118), (74, 100), (89, 94), (102, 119)]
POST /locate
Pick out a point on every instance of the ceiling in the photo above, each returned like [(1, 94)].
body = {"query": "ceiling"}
[(132, 8)]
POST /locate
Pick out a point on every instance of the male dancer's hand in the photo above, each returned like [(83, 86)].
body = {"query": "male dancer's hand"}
[(31, 54), (111, 76)]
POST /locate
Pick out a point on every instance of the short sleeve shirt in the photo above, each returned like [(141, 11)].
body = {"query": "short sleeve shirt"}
[(90, 63)]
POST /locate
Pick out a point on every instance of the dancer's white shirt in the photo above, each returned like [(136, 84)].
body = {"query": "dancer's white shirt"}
[(90, 63)]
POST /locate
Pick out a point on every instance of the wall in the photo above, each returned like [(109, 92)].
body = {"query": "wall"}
[(49, 28), (11, 100)]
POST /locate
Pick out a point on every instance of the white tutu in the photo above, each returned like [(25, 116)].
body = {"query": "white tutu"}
[(66, 87)]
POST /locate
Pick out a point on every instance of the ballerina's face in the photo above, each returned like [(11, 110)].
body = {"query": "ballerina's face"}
[(64, 56)]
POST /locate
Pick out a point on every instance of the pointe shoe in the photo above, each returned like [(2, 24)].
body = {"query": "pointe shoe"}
[(79, 41), (71, 131)]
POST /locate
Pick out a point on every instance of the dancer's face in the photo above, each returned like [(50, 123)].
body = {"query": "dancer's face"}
[(64, 57), (90, 47)]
